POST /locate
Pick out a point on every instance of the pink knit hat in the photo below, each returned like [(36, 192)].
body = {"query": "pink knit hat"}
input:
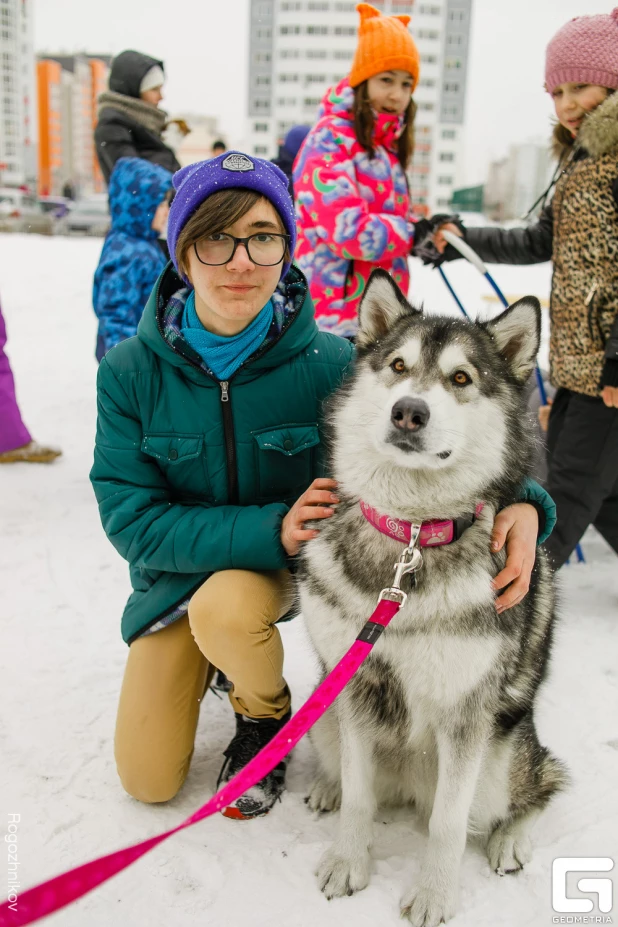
[(586, 51)]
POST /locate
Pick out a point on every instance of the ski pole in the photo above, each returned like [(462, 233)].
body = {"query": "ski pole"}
[(470, 254)]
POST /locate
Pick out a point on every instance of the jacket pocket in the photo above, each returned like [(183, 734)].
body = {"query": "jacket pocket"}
[(285, 460), (181, 459)]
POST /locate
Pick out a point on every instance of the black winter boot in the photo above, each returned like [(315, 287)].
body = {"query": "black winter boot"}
[(251, 735)]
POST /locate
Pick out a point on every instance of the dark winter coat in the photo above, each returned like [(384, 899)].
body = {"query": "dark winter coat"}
[(578, 231), (191, 478), (131, 259), (128, 127)]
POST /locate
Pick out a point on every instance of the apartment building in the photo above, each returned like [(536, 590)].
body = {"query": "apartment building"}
[(68, 89), (298, 48), (18, 123)]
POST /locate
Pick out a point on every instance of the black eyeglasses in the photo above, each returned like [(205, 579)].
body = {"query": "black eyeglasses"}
[(264, 248)]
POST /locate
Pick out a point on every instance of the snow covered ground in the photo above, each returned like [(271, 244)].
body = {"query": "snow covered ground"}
[(62, 590)]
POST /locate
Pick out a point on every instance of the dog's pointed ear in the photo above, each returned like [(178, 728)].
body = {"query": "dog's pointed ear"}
[(382, 304), (517, 335)]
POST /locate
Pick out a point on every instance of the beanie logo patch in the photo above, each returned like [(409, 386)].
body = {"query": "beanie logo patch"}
[(237, 162)]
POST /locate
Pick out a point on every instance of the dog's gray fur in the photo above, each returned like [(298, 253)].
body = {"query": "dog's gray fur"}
[(442, 712)]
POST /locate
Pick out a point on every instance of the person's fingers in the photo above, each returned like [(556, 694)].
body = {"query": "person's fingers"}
[(502, 526), (309, 512), (303, 534), (323, 483), (509, 574), (318, 497), (518, 589)]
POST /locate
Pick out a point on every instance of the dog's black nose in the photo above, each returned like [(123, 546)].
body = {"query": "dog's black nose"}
[(410, 414)]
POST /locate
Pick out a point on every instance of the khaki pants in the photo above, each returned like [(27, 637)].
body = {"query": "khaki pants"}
[(230, 626)]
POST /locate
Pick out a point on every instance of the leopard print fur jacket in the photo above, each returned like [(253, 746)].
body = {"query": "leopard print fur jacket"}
[(584, 300)]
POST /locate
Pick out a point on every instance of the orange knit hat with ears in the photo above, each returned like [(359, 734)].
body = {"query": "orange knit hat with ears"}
[(384, 44)]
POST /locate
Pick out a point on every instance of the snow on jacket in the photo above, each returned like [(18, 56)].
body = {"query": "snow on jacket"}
[(353, 210), (131, 259)]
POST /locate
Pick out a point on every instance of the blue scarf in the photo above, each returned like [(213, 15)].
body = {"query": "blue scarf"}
[(224, 354)]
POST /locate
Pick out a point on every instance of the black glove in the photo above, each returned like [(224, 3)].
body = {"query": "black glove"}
[(609, 375), (424, 247)]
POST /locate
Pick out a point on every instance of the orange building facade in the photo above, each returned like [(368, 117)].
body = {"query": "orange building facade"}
[(68, 89)]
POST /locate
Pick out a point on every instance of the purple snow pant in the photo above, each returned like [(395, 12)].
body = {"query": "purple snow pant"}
[(13, 432)]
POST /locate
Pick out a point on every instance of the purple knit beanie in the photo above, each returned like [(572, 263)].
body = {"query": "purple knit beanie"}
[(584, 51), (196, 182)]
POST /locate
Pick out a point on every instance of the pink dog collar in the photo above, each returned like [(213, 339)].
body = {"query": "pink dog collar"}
[(433, 533)]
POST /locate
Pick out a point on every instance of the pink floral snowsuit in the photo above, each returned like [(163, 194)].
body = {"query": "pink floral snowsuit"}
[(353, 211)]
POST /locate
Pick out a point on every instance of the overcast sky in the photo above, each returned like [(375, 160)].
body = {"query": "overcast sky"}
[(204, 44)]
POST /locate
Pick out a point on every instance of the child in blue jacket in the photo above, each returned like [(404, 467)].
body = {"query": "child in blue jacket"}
[(131, 259)]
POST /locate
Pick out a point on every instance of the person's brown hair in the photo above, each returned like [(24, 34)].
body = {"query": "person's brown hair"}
[(364, 125), (215, 214)]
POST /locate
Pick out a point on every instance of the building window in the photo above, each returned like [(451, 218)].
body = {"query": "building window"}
[(262, 79), (291, 6), (451, 88), (345, 30), (454, 40), (345, 7), (452, 64), (315, 78), (343, 55), (311, 101), (426, 82), (447, 156), (445, 181), (457, 16), (260, 127), (449, 133), (429, 10), (429, 59), (427, 34), (315, 53), (317, 5), (423, 104), (260, 149), (451, 110), (288, 53), (289, 30), (261, 104), (317, 30), (263, 33), (288, 78)]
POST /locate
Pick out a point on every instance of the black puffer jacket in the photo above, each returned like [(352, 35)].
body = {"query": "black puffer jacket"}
[(128, 127)]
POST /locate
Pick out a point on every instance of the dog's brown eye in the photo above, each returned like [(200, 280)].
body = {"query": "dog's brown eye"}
[(398, 365), (461, 378)]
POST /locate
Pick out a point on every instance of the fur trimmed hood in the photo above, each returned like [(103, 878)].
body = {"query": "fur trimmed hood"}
[(598, 134)]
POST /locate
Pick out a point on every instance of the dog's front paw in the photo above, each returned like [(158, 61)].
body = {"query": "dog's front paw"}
[(324, 795), (428, 907), (508, 851), (338, 875)]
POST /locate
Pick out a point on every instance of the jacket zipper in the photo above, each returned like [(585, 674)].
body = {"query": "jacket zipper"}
[(226, 407), (589, 304), (230, 444)]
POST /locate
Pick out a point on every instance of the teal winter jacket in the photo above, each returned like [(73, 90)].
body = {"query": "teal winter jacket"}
[(194, 476)]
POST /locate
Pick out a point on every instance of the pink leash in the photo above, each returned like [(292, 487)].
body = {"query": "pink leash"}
[(54, 894)]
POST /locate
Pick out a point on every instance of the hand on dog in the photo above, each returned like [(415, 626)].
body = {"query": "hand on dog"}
[(316, 502), (609, 396), (518, 526)]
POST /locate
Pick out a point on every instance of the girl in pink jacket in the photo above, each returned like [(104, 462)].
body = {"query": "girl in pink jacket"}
[(352, 198)]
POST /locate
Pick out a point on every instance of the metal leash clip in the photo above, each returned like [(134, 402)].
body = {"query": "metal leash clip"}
[(410, 561)]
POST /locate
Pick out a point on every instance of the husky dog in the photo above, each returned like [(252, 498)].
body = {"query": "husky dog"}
[(432, 425)]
